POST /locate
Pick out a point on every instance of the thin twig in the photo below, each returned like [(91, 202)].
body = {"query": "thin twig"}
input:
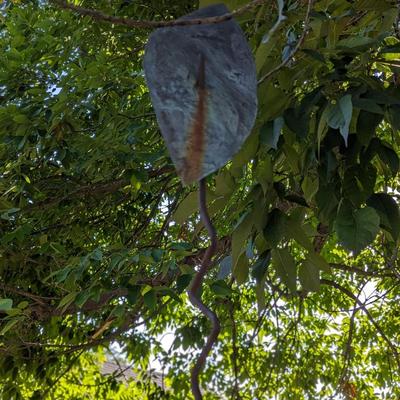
[(167, 219), (296, 48), (368, 314), (145, 24), (69, 366), (38, 299), (359, 271), (347, 349), (194, 297), (236, 392)]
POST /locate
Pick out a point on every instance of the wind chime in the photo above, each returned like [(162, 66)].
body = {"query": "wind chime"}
[(203, 87)]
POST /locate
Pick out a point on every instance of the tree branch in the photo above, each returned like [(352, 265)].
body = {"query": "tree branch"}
[(91, 190), (145, 24), (359, 271), (296, 48), (348, 293)]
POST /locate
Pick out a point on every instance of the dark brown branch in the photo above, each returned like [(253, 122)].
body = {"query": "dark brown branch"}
[(194, 297), (91, 190), (296, 48), (359, 271), (81, 192), (321, 237), (37, 299), (43, 308), (143, 24), (128, 324), (92, 342)]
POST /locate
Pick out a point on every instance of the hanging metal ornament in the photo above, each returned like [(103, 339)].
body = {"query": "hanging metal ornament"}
[(203, 86)]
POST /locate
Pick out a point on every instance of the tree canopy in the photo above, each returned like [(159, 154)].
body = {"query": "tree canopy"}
[(99, 240)]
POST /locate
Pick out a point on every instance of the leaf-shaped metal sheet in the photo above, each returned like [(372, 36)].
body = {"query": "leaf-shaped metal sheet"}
[(203, 86)]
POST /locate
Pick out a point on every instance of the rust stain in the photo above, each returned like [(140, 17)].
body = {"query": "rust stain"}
[(195, 144)]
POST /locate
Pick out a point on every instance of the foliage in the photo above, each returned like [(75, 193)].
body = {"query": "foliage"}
[(99, 240)]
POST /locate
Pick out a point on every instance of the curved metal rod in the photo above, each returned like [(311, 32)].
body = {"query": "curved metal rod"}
[(194, 297)]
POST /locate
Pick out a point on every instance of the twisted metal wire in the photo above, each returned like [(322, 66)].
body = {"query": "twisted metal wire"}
[(194, 296)]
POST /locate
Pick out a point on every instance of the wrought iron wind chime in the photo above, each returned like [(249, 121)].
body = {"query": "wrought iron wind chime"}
[(203, 86)]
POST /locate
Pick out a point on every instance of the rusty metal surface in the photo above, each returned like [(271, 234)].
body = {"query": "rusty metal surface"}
[(203, 87)]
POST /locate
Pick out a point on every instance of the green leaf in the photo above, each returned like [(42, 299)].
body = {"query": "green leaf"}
[(339, 116), (225, 268), (275, 228), (133, 294), (157, 254), (292, 158), (358, 43), (366, 126), (264, 173), (224, 183), (285, 267), (21, 119), (389, 157), (23, 305), (297, 121), (388, 211), (367, 105), (273, 100), (230, 4), (9, 325), (322, 125), (67, 300), (82, 298), (186, 208), (309, 276), (221, 288), (245, 154), (6, 304), (394, 116), (358, 183), (262, 52), (150, 299), (392, 48), (135, 183), (239, 237), (270, 133), (96, 255), (241, 269), (356, 228), (310, 187), (318, 261), (260, 266), (183, 282), (316, 55), (294, 230), (260, 296)]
